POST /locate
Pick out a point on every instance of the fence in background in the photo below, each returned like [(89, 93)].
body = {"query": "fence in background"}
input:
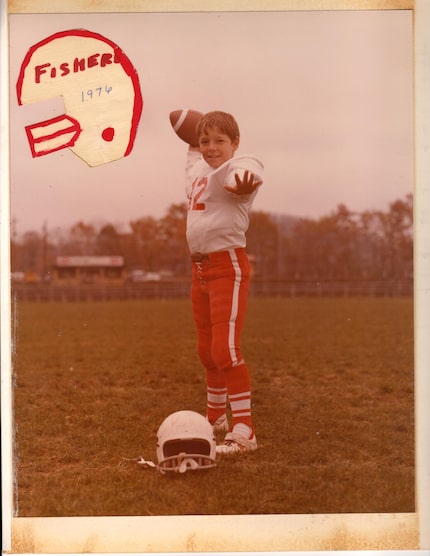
[(180, 289)]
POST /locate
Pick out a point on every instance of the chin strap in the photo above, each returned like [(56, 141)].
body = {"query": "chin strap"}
[(184, 463), (144, 463), (140, 461)]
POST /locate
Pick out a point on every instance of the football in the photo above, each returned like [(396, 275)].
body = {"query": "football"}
[(184, 124)]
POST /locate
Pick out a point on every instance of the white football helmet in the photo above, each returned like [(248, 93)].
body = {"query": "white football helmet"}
[(185, 440)]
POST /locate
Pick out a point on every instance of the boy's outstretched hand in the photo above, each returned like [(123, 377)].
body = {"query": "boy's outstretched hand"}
[(248, 184)]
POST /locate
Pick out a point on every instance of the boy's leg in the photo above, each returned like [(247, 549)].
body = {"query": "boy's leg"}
[(215, 379), (228, 301)]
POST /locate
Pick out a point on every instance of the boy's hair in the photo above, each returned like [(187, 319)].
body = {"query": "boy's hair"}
[(222, 120)]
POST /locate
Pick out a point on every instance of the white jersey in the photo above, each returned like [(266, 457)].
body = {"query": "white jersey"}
[(217, 219)]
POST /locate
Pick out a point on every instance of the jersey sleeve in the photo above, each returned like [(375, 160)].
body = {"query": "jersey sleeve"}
[(192, 166)]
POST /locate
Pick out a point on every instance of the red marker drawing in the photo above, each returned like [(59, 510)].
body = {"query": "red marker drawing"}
[(100, 90)]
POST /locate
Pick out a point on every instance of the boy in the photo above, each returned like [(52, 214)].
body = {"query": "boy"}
[(220, 189)]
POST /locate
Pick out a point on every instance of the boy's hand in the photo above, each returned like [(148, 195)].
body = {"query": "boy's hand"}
[(248, 184)]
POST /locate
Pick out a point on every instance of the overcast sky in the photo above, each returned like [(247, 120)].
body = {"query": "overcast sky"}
[(323, 99)]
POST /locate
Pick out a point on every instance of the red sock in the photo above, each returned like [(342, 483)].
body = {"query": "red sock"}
[(216, 396), (239, 394)]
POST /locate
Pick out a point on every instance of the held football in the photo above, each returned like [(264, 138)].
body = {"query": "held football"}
[(184, 124)]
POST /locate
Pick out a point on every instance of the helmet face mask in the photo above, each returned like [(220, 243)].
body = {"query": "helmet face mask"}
[(185, 441)]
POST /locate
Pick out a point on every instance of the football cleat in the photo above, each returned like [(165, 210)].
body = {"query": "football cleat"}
[(236, 443), (221, 424)]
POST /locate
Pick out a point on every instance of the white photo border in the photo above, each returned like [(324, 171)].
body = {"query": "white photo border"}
[(338, 532)]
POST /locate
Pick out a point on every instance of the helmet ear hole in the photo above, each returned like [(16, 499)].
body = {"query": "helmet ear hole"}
[(185, 436)]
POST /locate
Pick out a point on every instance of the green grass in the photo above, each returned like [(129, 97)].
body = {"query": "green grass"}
[(333, 404)]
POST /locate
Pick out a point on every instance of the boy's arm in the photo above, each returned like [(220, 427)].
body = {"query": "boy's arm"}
[(245, 185), (193, 159)]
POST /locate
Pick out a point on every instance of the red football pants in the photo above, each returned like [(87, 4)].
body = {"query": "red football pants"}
[(219, 295)]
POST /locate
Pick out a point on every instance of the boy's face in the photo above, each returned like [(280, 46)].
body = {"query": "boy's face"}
[(217, 147)]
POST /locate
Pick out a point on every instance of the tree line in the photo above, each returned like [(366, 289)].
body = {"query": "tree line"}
[(343, 245)]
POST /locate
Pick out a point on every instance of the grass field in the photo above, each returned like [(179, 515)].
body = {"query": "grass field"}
[(333, 403)]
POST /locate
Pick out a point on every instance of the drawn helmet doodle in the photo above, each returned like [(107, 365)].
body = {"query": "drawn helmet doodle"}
[(100, 90)]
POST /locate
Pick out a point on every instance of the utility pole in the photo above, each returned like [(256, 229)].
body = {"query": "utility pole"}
[(44, 249)]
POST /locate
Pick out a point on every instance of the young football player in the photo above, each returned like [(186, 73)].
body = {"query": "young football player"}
[(221, 187)]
